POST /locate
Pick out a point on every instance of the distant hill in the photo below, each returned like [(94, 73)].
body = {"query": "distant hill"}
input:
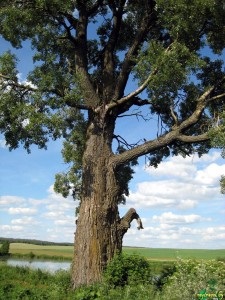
[(33, 241)]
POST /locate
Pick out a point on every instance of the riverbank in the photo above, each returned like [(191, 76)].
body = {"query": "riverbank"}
[(187, 280)]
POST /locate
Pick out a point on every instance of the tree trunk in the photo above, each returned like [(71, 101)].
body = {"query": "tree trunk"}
[(100, 230)]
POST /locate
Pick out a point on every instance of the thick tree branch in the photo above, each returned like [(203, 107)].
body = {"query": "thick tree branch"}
[(201, 105), (133, 51), (126, 220), (132, 95), (145, 148), (89, 94), (141, 88), (177, 133), (108, 52), (217, 97), (193, 138)]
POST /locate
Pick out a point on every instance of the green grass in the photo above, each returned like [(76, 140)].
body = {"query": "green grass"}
[(41, 250), (189, 279), (167, 254), (154, 254)]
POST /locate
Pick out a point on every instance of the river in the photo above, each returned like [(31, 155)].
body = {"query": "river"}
[(45, 265)]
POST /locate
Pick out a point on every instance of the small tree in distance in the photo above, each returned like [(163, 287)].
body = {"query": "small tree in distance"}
[(85, 53), (4, 249)]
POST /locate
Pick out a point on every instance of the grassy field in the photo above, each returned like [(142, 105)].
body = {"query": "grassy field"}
[(150, 253), (41, 250), (173, 254)]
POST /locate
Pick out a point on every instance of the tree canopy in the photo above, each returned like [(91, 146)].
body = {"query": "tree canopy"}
[(86, 53)]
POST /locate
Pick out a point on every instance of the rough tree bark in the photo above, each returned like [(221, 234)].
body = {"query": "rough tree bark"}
[(100, 230)]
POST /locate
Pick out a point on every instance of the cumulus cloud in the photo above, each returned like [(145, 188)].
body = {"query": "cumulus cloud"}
[(170, 193), (171, 218), (179, 183), (176, 166), (10, 229), (11, 200), (24, 221), (187, 168), (179, 203), (66, 221), (177, 236), (210, 175), (35, 217), (22, 210)]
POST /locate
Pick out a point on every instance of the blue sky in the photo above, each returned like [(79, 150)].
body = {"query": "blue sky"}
[(179, 202)]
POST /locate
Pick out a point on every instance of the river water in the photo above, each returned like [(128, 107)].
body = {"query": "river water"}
[(44, 265)]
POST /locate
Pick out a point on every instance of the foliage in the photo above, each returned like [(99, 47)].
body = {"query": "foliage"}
[(72, 152), (192, 277), (189, 279), (25, 283), (166, 272), (4, 249), (127, 269), (70, 78)]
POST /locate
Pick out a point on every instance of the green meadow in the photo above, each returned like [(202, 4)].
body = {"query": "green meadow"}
[(159, 254), (51, 251), (173, 254), (161, 277)]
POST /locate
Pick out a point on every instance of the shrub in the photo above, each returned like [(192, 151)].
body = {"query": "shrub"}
[(4, 250), (161, 279), (194, 277), (127, 269)]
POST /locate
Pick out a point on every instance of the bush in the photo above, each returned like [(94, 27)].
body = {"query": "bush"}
[(161, 279), (192, 278), (4, 250), (127, 269)]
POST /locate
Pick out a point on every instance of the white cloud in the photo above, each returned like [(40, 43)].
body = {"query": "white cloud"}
[(187, 204), (66, 221), (22, 210), (25, 82), (177, 236), (3, 144), (179, 183), (10, 229), (170, 193), (176, 166), (171, 218), (24, 221), (53, 214), (190, 184), (187, 168), (35, 216), (211, 174), (11, 200)]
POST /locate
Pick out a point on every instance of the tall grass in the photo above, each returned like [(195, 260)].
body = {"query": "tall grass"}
[(24, 283), (127, 278)]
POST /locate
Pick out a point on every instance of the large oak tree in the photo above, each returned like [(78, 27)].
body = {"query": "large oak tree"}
[(85, 55)]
